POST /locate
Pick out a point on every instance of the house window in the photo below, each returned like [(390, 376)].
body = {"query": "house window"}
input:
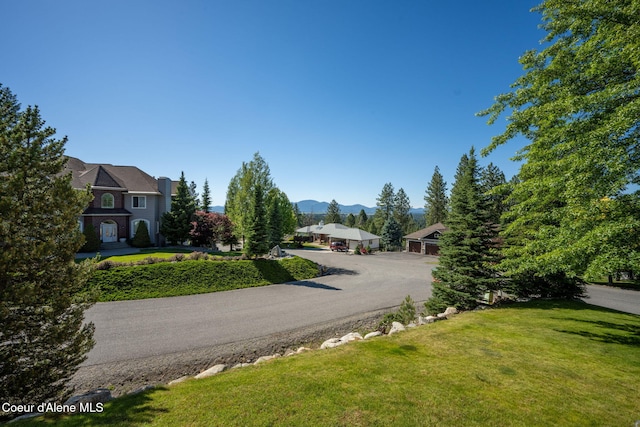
[(107, 201), (134, 226), (139, 202)]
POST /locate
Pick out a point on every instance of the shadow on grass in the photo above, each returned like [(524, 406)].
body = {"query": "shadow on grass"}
[(630, 333), (311, 284), (131, 410)]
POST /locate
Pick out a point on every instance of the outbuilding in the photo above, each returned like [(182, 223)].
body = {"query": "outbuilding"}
[(425, 241)]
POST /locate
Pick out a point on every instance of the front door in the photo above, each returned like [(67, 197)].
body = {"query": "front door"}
[(109, 232)]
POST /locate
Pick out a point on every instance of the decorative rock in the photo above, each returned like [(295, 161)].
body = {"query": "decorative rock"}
[(372, 334), (290, 353), (331, 343), (266, 358), (411, 325), (179, 380), (450, 310), (100, 395), (396, 327), (211, 371), (353, 336), (143, 389), (241, 365), (302, 350), (441, 316)]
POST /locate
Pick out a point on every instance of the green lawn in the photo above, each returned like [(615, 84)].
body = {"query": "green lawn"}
[(535, 364)]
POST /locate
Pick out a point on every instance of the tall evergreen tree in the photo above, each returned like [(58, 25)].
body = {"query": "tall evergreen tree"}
[(385, 204), (298, 215), (361, 221), (391, 234), (577, 103), (206, 196), (466, 249), (42, 290), (401, 211), (436, 201), (256, 240), (350, 221), (333, 213), (176, 224), (493, 185)]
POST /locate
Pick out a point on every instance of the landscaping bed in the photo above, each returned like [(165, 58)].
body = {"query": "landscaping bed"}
[(194, 276)]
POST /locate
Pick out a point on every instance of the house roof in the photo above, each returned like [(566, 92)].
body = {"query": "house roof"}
[(338, 231), (129, 178), (421, 234)]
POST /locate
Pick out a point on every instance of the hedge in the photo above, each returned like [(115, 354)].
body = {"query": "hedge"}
[(196, 277)]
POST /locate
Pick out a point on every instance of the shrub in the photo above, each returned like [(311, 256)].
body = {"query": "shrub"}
[(141, 239), (91, 239), (406, 314)]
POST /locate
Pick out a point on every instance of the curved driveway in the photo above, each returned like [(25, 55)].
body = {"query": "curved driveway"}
[(357, 284)]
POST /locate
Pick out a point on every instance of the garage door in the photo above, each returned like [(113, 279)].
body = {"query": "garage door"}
[(432, 249), (415, 247)]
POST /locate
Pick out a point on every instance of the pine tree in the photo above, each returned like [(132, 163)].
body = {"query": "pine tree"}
[(401, 211), (385, 203), (466, 249), (361, 221), (206, 196), (493, 185), (256, 240), (391, 234), (42, 290), (176, 224), (333, 213), (436, 202), (274, 220), (350, 221)]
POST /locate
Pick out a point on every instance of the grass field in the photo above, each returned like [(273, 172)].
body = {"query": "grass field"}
[(541, 363)]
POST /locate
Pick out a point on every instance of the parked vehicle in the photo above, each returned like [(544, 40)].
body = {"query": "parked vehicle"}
[(338, 246)]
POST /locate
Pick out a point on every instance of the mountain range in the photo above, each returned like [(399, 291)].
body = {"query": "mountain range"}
[(316, 207)]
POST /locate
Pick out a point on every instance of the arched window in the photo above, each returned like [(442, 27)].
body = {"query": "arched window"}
[(107, 201)]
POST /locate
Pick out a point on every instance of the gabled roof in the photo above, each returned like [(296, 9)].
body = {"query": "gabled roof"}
[(353, 234), (422, 234), (130, 178)]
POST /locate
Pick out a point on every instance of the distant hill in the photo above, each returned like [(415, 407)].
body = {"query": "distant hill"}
[(316, 207), (308, 206)]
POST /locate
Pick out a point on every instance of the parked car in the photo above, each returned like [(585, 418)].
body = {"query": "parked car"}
[(338, 246)]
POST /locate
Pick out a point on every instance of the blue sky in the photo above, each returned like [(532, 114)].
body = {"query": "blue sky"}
[(339, 97)]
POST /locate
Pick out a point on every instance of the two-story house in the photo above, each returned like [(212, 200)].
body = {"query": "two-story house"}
[(123, 196)]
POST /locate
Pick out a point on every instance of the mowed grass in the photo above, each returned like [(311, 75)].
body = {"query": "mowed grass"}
[(534, 364)]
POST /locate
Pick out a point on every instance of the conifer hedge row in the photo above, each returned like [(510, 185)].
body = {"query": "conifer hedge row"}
[(195, 277)]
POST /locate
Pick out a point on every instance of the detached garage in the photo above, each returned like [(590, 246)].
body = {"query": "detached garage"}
[(425, 241)]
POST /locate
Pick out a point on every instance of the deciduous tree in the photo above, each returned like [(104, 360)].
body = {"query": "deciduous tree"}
[(43, 337), (578, 104)]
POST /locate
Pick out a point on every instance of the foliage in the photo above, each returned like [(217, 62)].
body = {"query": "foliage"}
[(391, 235), (361, 221), (350, 221), (188, 277), (401, 211), (436, 201), (385, 203), (405, 314), (208, 228), (42, 336), (206, 196), (175, 225), (91, 239), (577, 102), (494, 188), (241, 193), (141, 239), (464, 273), (256, 238), (333, 215), (281, 217)]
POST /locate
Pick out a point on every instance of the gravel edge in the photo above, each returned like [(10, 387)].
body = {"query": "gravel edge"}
[(131, 375)]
